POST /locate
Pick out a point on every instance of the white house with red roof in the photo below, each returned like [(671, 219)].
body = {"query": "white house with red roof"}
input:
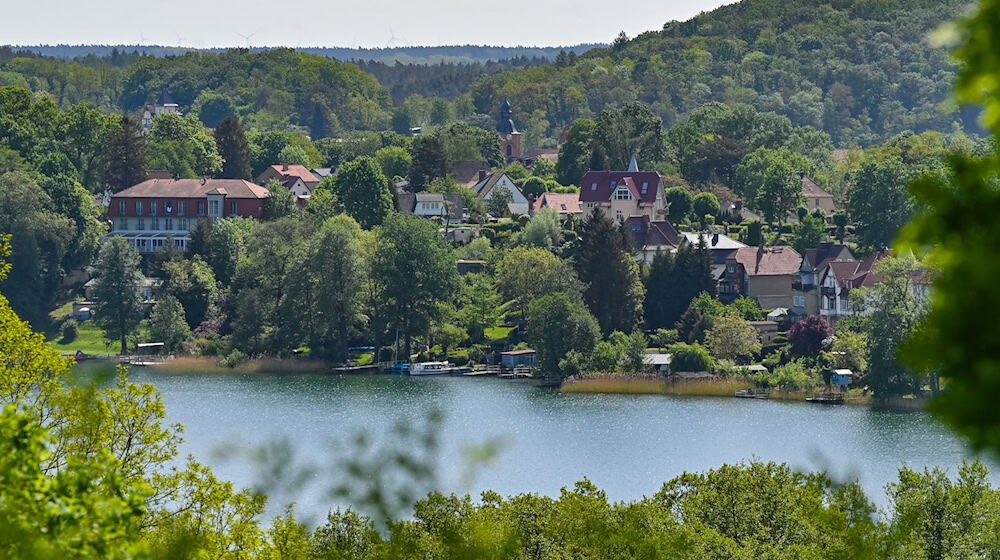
[(623, 194), (296, 178), (149, 213)]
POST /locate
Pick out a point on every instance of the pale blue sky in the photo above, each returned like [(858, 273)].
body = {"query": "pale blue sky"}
[(367, 23)]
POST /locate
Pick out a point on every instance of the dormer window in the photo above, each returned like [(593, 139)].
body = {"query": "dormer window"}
[(645, 188), (623, 193), (563, 206), (593, 187)]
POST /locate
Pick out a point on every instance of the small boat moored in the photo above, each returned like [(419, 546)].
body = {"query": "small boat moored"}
[(431, 368), (752, 393)]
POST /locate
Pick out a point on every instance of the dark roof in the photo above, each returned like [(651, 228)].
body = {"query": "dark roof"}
[(408, 202), (164, 98), (466, 172), (652, 234), (193, 188), (825, 252), (768, 261), (598, 186), (505, 124)]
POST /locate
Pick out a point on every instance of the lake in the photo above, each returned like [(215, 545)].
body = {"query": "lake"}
[(626, 445)]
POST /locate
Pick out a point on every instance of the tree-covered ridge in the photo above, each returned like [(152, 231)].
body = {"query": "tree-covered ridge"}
[(861, 71)]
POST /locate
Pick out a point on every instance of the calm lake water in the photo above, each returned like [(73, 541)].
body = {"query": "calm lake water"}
[(627, 445)]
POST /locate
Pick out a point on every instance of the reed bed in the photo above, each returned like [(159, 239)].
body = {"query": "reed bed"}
[(210, 365)]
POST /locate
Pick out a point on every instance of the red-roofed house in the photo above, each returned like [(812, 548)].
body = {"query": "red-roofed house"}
[(148, 213), (566, 204), (295, 178), (816, 197), (623, 194), (763, 273), (650, 237)]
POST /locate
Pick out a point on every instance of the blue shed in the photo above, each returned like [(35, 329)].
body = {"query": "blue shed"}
[(517, 358), (842, 378)]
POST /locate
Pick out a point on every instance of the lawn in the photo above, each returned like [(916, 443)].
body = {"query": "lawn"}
[(89, 338), (497, 333)]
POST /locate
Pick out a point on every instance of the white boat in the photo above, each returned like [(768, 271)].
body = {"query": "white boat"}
[(431, 368)]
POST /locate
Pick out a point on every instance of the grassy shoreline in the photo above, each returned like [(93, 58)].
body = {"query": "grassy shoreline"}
[(622, 384), (212, 366)]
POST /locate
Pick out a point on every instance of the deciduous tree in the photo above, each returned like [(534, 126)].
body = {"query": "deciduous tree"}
[(117, 291)]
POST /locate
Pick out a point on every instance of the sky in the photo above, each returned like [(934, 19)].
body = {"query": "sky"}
[(335, 23)]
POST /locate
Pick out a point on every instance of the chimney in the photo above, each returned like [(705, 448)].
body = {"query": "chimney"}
[(482, 174), (284, 167)]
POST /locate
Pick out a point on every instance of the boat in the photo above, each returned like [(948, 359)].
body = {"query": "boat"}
[(431, 368), (752, 394)]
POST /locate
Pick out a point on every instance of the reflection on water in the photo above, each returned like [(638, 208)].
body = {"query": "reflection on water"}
[(627, 445)]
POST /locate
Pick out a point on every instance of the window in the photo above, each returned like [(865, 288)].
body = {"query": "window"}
[(799, 301), (147, 293), (123, 223), (138, 208), (201, 208), (168, 206), (619, 216), (180, 208), (140, 224), (182, 224), (645, 187), (623, 194), (563, 206), (168, 224), (843, 303), (636, 227), (590, 205), (121, 207), (232, 208), (593, 187), (731, 267), (213, 208), (152, 208), (154, 224)]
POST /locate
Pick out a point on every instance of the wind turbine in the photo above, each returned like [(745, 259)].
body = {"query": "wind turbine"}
[(393, 39), (180, 40), (248, 37)]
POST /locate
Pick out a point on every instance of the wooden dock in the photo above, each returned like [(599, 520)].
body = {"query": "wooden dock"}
[(826, 398)]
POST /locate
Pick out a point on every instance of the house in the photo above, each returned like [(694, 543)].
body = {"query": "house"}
[(470, 266), (805, 296), (816, 197), (762, 273), (150, 288), (766, 330), (164, 104), (490, 183), (623, 194), (649, 237), (517, 358), (469, 172), (460, 235), (567, 204), (428, 205), (510, 138), (324, 172), (149, 213), (295, 178), (719, 245), (659, 362)]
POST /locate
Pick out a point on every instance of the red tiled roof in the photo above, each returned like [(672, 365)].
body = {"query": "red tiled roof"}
[(193, 188), (768, 261), (296, 171), (598, 186), (557, 200)]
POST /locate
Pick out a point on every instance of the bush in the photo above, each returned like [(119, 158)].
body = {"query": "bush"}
[(68, 331), (789, 377), (689, 357), (477, 353), (386, 353), (234, 359), (664, 338)]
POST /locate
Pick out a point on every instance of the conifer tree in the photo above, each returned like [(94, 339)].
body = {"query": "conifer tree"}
[(614, 291), (125, 159), (234, 149)]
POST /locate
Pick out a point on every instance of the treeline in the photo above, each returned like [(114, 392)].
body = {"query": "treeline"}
[(860, 71)]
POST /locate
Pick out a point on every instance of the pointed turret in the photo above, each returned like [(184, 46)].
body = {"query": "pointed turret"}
[(633, 166), (505, 124)]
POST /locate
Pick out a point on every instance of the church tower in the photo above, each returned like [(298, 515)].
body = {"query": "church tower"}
[(510, 138)]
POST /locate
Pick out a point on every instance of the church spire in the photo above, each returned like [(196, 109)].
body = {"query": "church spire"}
[(505, 124), (633, 167)]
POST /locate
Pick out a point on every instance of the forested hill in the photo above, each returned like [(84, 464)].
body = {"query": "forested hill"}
[(449, 54), (862, 70)]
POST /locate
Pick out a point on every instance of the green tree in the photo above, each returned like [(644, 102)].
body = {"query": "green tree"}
[(428, 163), (117, 291), (500, 197), (705, 204), (770, 179), (544, 230), (192, 283), (604, 264), (689, 357), (293, 155), (526, 274), (225, 248), (674, 280), (679, 203), (533, 187), (279, 204), (574, 154), (364, 191), (809, 232), (183, 146), (558, 325), (840, 220), (124, 157), (416, 271), (234, 149), (167, 323), (394, 161), (733, 338), (630, 130), (878, 201), (479, 304)]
